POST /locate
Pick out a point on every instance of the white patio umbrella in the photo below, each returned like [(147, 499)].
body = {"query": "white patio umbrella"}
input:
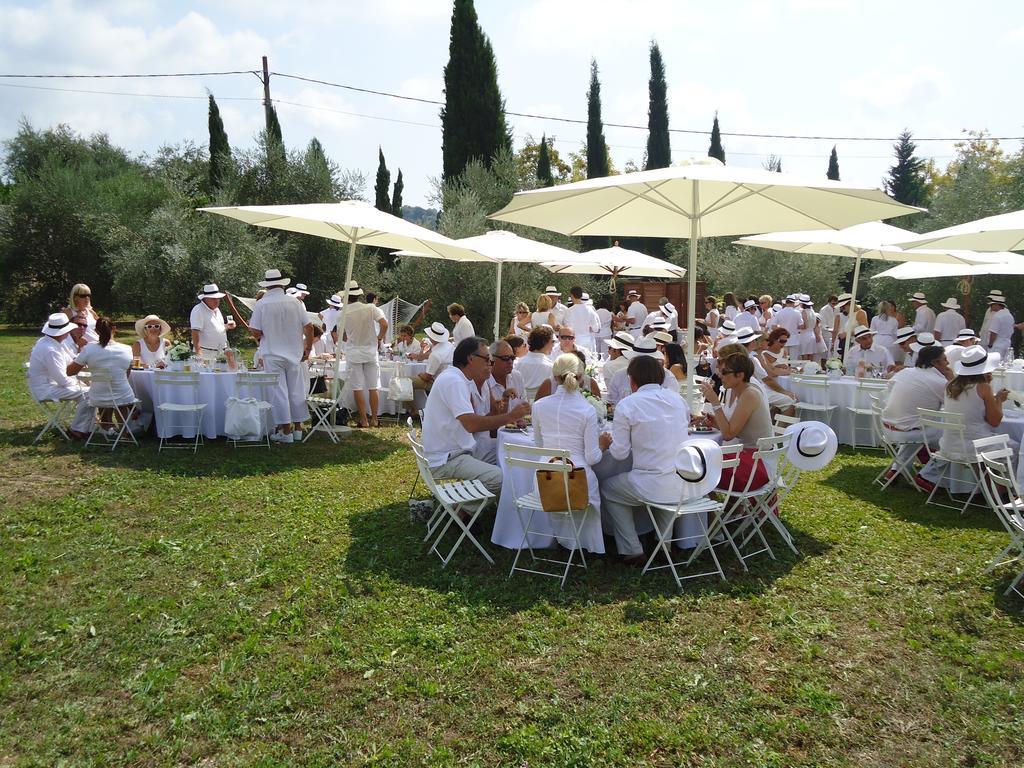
[(618, 262), (701, 198), (503, 247), (1004, 232), (862, 241), (1007, 263)]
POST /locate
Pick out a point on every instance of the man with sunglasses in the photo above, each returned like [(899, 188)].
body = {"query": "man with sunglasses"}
[(505, 387), (566, 343)]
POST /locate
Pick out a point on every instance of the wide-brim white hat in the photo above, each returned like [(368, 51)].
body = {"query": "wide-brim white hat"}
[(950, 303), (996, 298), (58, 324), (621, 340), (272, 278), (663, 337), (967, 333), (905, 333), (923, 340), (749, 303), (698, 462), (644, 346), (301, 288), (334, 301), (552, 291), (437, 332), (975, 361), (747, 335), (210, 291), (918, 297), (728, 325), (862, 330), (140, 325), (353, 289), (812, 446)]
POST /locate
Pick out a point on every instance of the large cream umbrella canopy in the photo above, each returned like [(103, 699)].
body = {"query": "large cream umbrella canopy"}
[(861, 241), (1005, 263), (1004, 232), (701, 198), (503, 247), (618, 262)]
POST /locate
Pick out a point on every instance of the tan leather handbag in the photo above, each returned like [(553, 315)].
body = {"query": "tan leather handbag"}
[(551, 487)]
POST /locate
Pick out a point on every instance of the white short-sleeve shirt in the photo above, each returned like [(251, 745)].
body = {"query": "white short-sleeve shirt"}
[(281, 320), (443, 433), (213, 336)]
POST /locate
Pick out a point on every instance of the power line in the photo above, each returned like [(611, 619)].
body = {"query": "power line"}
[(127, 93), (145, 75)]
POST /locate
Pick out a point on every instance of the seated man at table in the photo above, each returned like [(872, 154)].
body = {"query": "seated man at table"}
[(451, 420), (900, 351), (439, 357), (649, 423), (499, 392), (617, 361), (48, 377), (966, 338), (566, 343), (535, 368), (618, 387), (864, 350)]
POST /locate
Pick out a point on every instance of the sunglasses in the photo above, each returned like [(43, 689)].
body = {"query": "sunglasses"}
[(83, 295), (567, 338), (505, 358), (153, 327), (482, 357)]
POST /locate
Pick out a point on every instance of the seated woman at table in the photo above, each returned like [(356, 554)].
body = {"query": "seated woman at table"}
[(675, 361), (407, 345), (587, 383), (518, 344), (152, 344), (115, 358), (566, 420), (521, 325), (773, 356), (970, 394)]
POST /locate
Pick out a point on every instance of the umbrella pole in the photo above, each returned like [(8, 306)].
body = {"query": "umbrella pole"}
[(497, 304), (691, 300), (341, 325), (851, 316)]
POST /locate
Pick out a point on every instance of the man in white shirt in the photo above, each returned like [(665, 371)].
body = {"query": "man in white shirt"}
[(966, 338), (924, 317), (986, 320), (209, 331), (282, 329), (568, 342), (636, 312), (365, 327), (583, 320), (901, 351), (500, 392), (48, 377), (558, 309), (827, 323), (330, 316), (1000, 329), (462, 328), (923, 386), (617, 360), (790, 318), (671, 314), (617, 387), (604, 317), (748, 317), (439, 358), (949, 322), (451, 420), (649, 424), (535, 366), (865, 351)]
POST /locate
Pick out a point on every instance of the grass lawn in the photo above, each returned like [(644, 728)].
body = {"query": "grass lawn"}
[(278, 608)]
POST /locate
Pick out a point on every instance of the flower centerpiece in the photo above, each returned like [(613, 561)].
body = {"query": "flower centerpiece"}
[(178, 353), (599, 405), (834, 366)]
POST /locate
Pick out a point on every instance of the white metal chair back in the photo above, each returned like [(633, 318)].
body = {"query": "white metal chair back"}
[(814, 400), (168, 388), (862, 414), (54, 411), (323, 409), (783, 422), (1002, 492), (952, 425), (902, 452), (566, 522), (259, 386), (101, 395)]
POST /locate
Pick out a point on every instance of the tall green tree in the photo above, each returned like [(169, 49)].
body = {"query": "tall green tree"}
[(659, 152), (275, 140), (396, 196), (597, 147), (906, 180), (220, 148), (473, 116), (833, 166), (383, 184), (544, 164), (716, 149)]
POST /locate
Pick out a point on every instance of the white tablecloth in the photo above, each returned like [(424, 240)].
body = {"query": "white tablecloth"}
[(387, 371), (1010, 378), (215, 387), (842, 393)]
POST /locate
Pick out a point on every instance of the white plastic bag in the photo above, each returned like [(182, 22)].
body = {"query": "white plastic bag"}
[(242, 418), (400, 389)]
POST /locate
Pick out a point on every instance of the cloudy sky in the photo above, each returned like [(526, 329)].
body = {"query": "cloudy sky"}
[(831, 68)]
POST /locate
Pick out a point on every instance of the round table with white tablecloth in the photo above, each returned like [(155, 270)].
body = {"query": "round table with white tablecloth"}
[(841, 394), (387, 372), (1008, 378)]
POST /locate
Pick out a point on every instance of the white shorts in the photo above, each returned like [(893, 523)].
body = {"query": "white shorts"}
[(361, 376)]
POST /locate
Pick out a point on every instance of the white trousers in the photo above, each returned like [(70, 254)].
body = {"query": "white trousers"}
[(466, 467), (288, 398), (619, 495)]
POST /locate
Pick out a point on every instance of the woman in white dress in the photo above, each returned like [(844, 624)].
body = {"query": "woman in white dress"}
[(80, 306), (566, 420), (521, 324), (543, 315), (152, 344), (115, 358), (885, 325), (731, 307), (808, 339), (712, 318)]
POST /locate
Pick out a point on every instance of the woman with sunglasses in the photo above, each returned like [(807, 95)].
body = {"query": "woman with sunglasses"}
[(80, 308), (152, 344), (521, 324)]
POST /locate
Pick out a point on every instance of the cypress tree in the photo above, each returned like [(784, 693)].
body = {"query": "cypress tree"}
[(544, 164), (716, 149), (381, 187), (597, 147), (905, 182), (396, 197), (833, 166), (220, 149), (659, 153), (473, 115), (275, 141)]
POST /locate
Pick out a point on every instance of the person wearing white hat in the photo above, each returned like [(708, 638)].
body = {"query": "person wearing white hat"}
[(790, 319), (603, 313), (668, 309), (636, 312), (617, 387), (809, 333), (282, 329), (827, 322), (966, 338), (48, 377), (365, 327), (617, 361), (902, 355), (921, 341), (643, 418), (864, 355), (860, 317), (727, 329), (949, 322), (748, 317), (439, 358), (924, 316), (330, 315), (1000, 329), (971, 395), (209, 331), (558, 309), (152, 344), (986, 320), (885, 325), (583, 320)]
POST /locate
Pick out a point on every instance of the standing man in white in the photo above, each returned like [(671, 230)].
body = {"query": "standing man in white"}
[(583, 319), (636, 313), (462, 328), (668, 309), (209, 331), (558, 309), (949, 322), (282, 329), (365, 326), (1000, 329), (924, 317)]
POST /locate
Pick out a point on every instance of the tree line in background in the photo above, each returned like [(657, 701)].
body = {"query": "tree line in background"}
[(78, 209)]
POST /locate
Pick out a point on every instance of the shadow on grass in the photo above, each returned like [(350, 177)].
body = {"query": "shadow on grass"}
[(385, 544), (216, 458)]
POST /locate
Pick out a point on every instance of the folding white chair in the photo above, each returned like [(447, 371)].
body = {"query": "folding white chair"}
[(782, 422), (437, 513), (1002, 493), (697, 509), (782, 476), (454, 496), (101, 395), (901, 466), (951, 424), (814, 403), (258, 386), (528, 505), (54, 411), (859, 414), (169, 386), (322, 411)]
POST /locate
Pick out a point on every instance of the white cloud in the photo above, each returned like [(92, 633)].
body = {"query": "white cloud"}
[(895, 89)]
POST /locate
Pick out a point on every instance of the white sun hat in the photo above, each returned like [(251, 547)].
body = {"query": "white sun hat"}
[(301, 288), (919, 297), (663, 337), (210, 291), (57, 325), (975, 361), (272, 278), (335, 301), (862, 330), (749, 303), (967, 333), (746, 335), (552, 291), (437, 332), (904, 333), (646, 347), (621, 340), (354, 289), (812, 446), (728, 326), (950, 303), (923, 340), (699, 463)]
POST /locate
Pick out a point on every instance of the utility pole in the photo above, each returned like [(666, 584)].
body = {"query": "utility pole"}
[(266, 84)]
